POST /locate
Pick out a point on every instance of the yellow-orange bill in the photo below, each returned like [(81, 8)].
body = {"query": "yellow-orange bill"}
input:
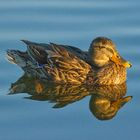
[(120, 61)]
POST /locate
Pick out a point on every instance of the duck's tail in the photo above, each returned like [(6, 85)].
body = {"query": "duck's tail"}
[(17, 57)]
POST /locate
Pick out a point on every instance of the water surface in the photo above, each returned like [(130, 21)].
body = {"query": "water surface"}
[(75, 23)]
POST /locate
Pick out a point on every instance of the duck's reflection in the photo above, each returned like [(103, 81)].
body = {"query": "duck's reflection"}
[(104, 103)]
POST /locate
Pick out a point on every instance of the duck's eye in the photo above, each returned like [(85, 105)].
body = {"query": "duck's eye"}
[(117, 56)]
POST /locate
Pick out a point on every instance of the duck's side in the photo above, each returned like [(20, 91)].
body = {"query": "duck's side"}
[(51, 62)]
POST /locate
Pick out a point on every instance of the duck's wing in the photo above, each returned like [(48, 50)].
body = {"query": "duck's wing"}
[(74, 50), (60, 64)]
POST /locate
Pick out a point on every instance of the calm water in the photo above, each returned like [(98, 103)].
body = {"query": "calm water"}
[(73, 22)]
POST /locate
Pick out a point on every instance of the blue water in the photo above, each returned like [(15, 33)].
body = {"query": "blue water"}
[(73, 22)]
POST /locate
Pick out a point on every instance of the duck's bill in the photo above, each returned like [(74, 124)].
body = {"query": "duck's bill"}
[(125, 63), (120, 61)]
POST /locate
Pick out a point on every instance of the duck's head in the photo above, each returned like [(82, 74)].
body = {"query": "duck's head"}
[(102, 52)]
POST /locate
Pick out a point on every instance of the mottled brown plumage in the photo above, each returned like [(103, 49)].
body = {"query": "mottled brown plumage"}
[(101, 65)]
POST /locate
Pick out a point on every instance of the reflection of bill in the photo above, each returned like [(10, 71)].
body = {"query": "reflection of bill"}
[(104, 103)]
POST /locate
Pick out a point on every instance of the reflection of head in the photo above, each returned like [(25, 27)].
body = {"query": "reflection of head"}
[(103, 108)]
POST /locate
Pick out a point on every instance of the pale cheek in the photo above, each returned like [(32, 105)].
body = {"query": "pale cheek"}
[(100, 60)]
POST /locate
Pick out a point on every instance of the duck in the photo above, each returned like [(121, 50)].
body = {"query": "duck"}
[(100, 65)]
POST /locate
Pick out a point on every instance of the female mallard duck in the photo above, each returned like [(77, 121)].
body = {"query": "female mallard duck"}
[(101, 65)]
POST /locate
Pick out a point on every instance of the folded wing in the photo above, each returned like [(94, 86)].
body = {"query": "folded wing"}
[(60, 64)]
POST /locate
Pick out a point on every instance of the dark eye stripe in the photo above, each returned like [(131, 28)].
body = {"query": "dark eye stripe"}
[(110, 50), (102, 47)]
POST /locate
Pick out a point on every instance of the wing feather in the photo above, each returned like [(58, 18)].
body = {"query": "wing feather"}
[(60, 64)]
